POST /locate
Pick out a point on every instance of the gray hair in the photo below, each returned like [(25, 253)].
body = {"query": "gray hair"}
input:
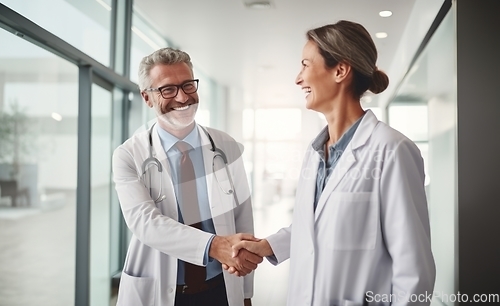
[(164, 56), (350, 42)]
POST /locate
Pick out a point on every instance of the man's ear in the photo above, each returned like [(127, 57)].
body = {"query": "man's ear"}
[(147, 99), (341, 71)]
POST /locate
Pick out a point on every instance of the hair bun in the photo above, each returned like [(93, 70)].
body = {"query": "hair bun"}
[(379, 81)]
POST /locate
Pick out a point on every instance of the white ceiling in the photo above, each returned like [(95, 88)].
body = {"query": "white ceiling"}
[(259, 51)]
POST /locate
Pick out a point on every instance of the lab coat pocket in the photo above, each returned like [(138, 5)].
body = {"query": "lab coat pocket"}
[(354, 225), (136, 291)]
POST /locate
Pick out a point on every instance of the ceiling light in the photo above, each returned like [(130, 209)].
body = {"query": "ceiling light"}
[(381, 35), (258, 5), (56, 117), (385, 14)]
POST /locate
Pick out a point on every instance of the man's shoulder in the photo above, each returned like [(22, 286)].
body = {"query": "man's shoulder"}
[(138, 139)]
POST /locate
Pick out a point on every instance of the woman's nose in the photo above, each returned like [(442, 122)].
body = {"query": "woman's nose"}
[(298, 79)]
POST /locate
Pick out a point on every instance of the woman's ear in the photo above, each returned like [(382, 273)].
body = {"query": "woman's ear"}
[(341, 71), (147, 99)]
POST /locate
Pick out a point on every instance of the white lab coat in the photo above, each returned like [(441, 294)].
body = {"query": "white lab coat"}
[(149, 274), (370, 232)]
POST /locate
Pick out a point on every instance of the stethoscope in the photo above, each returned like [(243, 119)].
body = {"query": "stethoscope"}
[(218, 153)]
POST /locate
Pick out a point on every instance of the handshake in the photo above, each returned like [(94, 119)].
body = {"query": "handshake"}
[(239, 254)]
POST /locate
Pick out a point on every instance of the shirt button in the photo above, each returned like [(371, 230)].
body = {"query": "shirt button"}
[(170, 290)]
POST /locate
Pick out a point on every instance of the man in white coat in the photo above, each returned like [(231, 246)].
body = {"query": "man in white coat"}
[(360, 232), (183, 228)]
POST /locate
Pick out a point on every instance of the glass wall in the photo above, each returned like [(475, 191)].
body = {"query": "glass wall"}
[(82, 23), (38, 172), (425, 109)]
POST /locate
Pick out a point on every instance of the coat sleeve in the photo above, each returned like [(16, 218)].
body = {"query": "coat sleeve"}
[(405, 222), (280, 243), (147, 222)]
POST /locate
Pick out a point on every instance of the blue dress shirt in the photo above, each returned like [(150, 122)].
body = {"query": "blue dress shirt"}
[(325, 167), (168, 142)]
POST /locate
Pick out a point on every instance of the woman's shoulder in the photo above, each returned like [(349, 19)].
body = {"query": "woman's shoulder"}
[(387, 136)]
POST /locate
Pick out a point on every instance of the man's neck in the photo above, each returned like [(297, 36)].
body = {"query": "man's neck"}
[(180, 133)]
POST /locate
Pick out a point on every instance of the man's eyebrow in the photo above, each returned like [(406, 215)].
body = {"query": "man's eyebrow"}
[(170, 84)]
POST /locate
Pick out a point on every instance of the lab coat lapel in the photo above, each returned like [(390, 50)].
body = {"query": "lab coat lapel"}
[(346, 161), (305, 199), (348, 158), (158, 150), (170, 203), (208, 156)]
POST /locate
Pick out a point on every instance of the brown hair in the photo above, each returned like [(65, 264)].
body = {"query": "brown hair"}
[(350, 42)]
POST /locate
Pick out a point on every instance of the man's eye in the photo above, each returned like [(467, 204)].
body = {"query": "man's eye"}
[(188, 86), (169, 89)]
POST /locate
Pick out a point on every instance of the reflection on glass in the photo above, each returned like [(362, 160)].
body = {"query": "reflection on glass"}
[(38, 171)]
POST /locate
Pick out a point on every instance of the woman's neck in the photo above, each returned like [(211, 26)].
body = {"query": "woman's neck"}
[(341, 117)]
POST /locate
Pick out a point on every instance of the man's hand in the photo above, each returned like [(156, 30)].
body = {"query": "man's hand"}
[(259, 247), (242, 264)]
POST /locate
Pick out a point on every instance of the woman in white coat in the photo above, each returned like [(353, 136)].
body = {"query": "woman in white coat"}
[(360, 232)]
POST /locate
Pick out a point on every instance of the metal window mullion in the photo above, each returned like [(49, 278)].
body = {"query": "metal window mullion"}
[(83, 190), (121, 36)]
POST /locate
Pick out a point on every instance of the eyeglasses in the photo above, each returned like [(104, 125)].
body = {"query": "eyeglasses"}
[(171, 91)]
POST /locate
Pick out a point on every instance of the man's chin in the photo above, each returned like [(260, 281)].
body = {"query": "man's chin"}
[(175, 123)]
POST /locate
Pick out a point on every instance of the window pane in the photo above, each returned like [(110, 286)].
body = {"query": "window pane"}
[(100, 207), (145, 40), (411, 120), (83, 23), (38, 171)]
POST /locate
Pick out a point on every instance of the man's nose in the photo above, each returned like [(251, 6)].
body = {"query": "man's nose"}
[(181, 97)]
